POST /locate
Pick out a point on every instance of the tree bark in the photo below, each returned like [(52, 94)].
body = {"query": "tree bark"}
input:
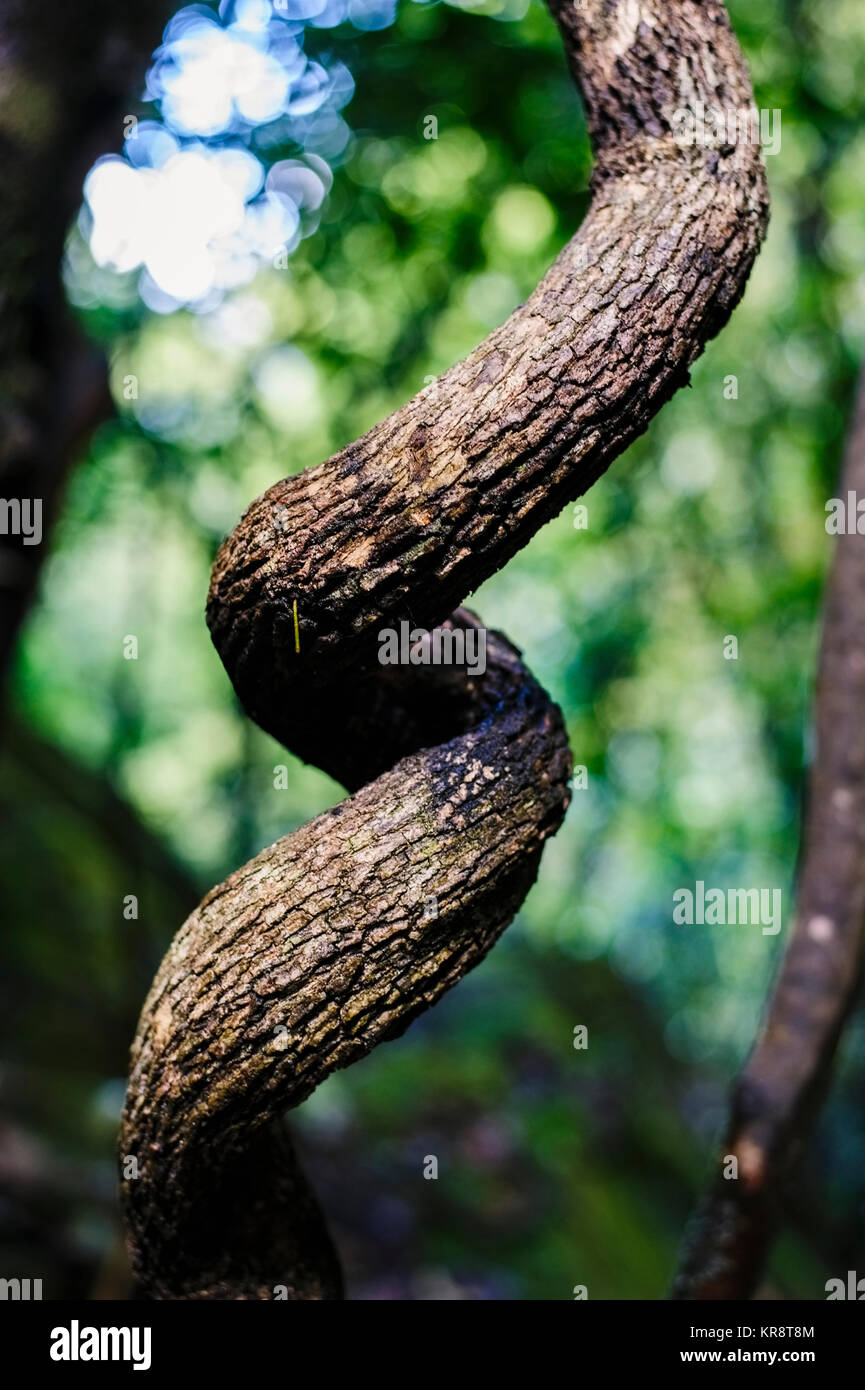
[(320, 948), (778, 1093)]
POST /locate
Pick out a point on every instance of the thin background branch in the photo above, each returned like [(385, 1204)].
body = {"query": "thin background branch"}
[(776, 1096)]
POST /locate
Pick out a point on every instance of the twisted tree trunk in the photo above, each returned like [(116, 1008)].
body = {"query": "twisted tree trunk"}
[(321, 947)]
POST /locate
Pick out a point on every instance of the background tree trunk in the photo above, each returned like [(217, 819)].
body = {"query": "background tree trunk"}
[(779, 1091), (68, 75)]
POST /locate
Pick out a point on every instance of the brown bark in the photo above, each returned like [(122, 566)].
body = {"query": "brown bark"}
[(415, 515), (304, 960), (776, 1096), (323, 934)]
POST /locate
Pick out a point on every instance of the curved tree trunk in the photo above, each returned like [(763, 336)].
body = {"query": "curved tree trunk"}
[(779, 1090), (321, 947)]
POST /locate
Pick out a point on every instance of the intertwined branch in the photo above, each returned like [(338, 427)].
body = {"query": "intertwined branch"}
[(319, 948)]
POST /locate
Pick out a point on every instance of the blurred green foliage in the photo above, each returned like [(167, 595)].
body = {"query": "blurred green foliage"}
[(557, 1167)]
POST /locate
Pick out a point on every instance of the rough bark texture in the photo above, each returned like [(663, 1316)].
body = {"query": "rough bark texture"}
[(775, 1097), (68, 73), (319, 948), (412, 517), (309, 956)]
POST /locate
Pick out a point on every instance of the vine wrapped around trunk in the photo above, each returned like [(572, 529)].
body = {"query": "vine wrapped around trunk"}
[(321, 946)]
